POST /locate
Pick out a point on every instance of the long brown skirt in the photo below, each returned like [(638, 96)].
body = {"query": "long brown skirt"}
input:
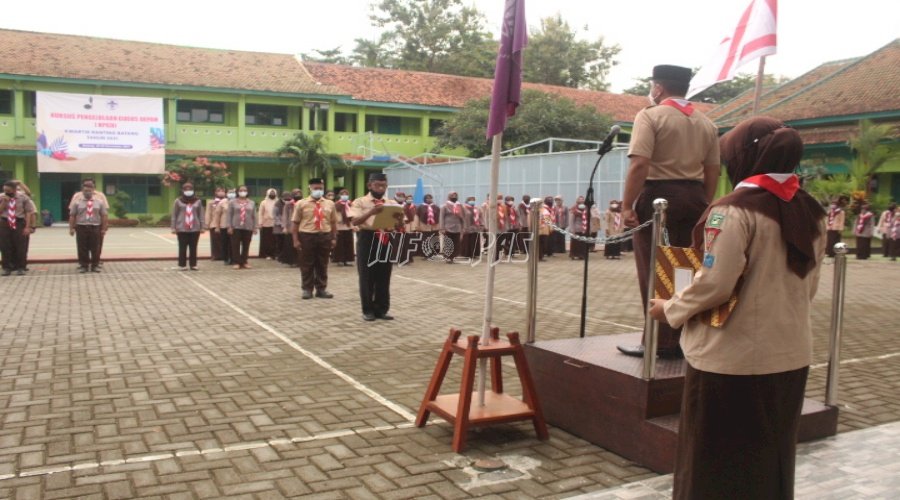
[(738, 435), (343, 249)]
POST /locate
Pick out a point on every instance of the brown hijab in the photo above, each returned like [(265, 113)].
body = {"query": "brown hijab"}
[(763, 145)]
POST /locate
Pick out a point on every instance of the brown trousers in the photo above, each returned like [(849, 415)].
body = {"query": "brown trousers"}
[(687, 201), (240, 246), (456, 245), (737, 437), (315, 249), (87, 239), (832, 238), (267, 242), (13, 245)]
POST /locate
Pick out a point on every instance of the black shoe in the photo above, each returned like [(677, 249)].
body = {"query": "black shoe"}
[(384, 316), (638, 352), (322, 294), (307, 294), (631, 350), (368, 317), (82, 270), (95, 269), (20, 272), (7, 272)]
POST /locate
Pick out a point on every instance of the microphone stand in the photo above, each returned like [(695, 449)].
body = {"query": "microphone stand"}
[(589, 203)]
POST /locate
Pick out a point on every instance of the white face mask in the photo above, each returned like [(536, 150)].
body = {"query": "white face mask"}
[(581, 206), (242, 194), (317, 193), (614, 206), (189, 193), (231, 195), (345, 197)]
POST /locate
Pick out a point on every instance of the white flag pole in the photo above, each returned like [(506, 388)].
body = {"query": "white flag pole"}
[(491, 251), (759, 82)]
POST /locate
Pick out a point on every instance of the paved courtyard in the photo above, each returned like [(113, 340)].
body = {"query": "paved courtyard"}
[(142, 381)]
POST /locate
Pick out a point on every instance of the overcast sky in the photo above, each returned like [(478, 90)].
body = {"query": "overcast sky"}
[(650, 32)]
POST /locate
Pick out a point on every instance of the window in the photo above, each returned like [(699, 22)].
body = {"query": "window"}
[(434, 126), (318, 115), (30, 104), (394, 125), (138, 187), (6, 102), (345, 122), (259, 114), (257, 186), (200, 112)]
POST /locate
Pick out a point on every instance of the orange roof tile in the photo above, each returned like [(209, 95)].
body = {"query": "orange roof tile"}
[(434, 89), (741, 107), (88, 58)]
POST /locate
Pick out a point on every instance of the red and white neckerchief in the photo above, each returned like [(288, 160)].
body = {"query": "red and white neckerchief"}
[(681, 105), (189, 215), (90, 210), (895, 228), (501, 214), (784, 186), (430, 219), (318, 214), (584, 221), (476, 216), (863, 220), (617, 219), (888, 217), (557, 215), (512, 216), (832, 214), (546, 214), (243, 205), (456, 208), (11, 213)]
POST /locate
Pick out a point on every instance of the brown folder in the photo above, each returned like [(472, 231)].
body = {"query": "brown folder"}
[(676, 266)]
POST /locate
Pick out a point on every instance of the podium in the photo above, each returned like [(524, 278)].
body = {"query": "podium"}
[(591, 390), (459, 410)]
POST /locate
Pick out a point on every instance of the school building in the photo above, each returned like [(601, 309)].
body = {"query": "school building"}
[(235, 107)]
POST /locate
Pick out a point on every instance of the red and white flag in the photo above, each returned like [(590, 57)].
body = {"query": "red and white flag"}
[(754, 37)]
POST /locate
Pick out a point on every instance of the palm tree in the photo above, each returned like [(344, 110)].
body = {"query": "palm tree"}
[(872, 151), (308, 152)]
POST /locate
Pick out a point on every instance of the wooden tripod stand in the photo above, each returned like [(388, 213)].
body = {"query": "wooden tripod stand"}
[(498, 407)]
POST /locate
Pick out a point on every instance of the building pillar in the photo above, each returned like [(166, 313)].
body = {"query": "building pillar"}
[(242, 119), (304, 119), (240, 174), (360, 174), (304, 180), (329, 178), (172, 122), (19, 172), (19, 114)]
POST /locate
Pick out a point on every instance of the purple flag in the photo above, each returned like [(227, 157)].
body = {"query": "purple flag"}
[(508, 72)]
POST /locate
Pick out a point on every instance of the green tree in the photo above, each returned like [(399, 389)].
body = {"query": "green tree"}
[(540, 116), (373, 53), (333, 56), (872, 151), (718, 93), (309, 152), (555, 56)]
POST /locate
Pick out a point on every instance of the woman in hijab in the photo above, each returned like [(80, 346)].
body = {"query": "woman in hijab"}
[(342, 254), (187, 224), (744, 381)]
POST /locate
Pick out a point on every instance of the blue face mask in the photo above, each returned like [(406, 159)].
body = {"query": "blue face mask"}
[(345, 197), (471, 203), (318, 193)]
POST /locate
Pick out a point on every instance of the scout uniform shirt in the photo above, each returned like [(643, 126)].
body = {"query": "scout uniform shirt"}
[(241, 214), (677, 143), (343, 215), (78, 196), (315, 216), (452, 218), (88, 215), (835, 219), (212, 216), (363, 205), (22, 207), (187, 217), (429, 217), (769, 330)]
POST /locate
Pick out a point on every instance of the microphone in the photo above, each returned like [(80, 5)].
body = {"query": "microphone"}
[(607, 143)]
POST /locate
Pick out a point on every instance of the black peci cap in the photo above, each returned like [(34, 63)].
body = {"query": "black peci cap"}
[(377, 176), (671, 73), (316, 180)]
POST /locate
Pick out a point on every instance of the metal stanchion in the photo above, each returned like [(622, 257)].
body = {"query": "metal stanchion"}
[(534, 255), (837, 321), (651, 326)]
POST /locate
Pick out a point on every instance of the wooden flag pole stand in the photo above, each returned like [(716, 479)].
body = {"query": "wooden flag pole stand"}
[(498, 406)]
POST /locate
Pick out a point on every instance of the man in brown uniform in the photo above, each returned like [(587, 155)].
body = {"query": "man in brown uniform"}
[(88, 219), (373, 250), (315, 234), (674, 154)]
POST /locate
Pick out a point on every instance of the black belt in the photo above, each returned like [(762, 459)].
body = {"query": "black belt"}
[(660, 182)]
